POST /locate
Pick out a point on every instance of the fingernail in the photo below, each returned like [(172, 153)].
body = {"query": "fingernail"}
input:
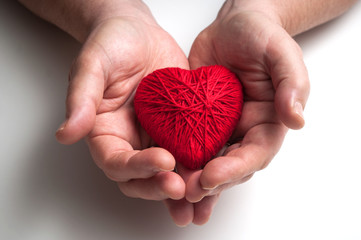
[(210, 188), (196, 200), (156, 170), (181, 225), (298, 109), (61, 128)]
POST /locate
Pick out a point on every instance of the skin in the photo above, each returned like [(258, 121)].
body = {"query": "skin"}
[(122, 43), (108, 72)]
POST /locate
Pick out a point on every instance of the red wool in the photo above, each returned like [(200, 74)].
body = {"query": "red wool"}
[(193, 113)]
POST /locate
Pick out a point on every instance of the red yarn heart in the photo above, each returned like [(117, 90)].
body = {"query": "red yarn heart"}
[(192, 113)]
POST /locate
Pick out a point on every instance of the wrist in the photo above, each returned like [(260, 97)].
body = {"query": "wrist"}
[(262, 7), (293, 15), (134, 9), (80, 17)]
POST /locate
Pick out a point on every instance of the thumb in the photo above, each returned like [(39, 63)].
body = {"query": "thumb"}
[(290, 79), (85, 91)]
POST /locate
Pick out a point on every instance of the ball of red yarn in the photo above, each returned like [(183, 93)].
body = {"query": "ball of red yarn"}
[(191, 113)]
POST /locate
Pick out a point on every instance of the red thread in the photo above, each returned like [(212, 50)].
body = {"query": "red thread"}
[(193, 113)]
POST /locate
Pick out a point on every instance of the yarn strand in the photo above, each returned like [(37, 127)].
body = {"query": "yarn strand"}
[(190, 113)]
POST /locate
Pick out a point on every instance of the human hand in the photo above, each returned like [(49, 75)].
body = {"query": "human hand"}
[(117, 54), (269, 64)]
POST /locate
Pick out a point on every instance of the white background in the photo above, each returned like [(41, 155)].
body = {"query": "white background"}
[(311, 190)]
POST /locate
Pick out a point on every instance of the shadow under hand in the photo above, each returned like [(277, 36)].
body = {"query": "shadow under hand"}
[(64, 186)]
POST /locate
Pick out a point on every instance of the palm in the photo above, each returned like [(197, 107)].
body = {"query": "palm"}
[(252, 47), (243, 50), (242, 44), (116, 56), (126, 60)]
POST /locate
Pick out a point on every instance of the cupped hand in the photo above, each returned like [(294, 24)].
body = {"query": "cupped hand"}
[(117, 54), (270, 66)]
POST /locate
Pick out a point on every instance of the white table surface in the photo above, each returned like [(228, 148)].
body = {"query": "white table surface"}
[(311, 190)]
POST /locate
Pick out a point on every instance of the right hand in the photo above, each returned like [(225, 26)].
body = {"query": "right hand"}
[(275, 83)]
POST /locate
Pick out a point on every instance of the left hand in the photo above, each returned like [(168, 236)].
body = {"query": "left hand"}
[(118, 52), (270, 66)]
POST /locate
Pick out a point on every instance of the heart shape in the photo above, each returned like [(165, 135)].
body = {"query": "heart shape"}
[(191, 113)]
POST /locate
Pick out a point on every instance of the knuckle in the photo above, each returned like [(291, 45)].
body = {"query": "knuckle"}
[(123, 187), (113, 169), (114, 177), (246, 178), (109, 164)]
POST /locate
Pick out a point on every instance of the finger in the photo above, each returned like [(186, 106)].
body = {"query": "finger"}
[(204, 209), (85, 91), (184, 172), (121, 163), (200, 54), (181, 211), (196, 193), (257, 149), (253, 114), (194, 189), (161, 186), (290, 79)]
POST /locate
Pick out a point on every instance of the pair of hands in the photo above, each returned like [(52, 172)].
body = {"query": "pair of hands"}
[(120, 51)]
